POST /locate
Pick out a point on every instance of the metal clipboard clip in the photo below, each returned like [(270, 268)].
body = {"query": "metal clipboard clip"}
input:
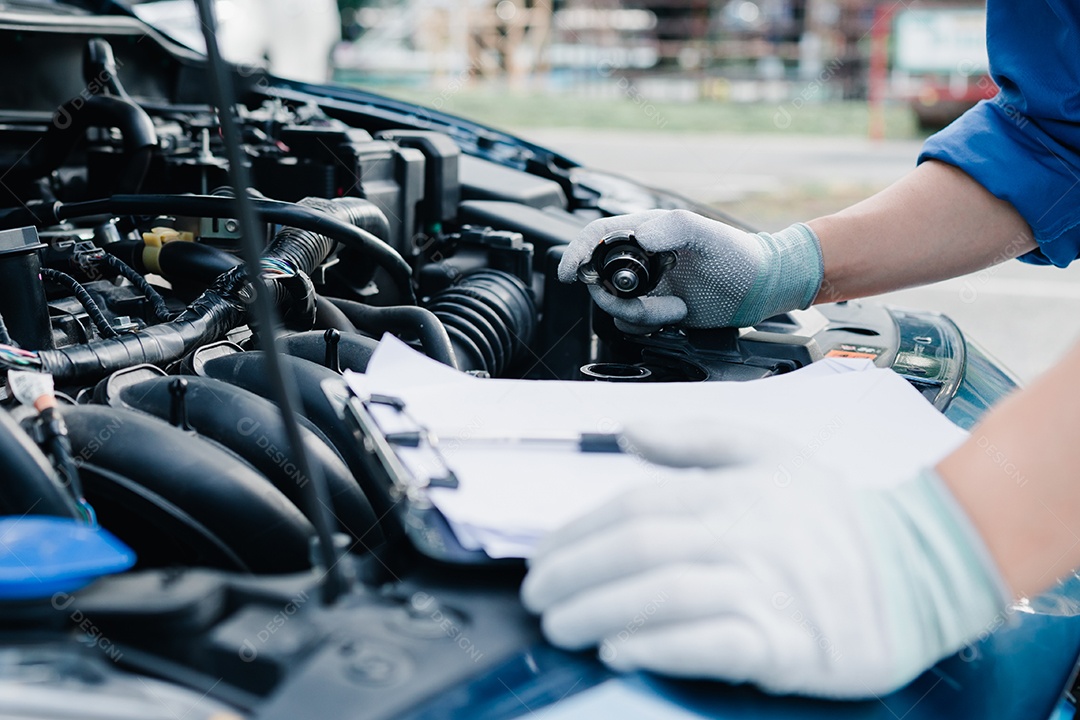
[(405, 464)]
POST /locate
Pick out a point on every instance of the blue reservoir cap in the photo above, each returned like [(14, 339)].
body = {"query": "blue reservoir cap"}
[(41, 555)]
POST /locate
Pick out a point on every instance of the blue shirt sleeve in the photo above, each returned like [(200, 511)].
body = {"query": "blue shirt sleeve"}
[(1024, 144)]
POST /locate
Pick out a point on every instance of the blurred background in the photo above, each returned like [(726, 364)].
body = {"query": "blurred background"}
[(774, 111)]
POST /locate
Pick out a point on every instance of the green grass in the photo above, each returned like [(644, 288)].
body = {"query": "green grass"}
[(515, 110), (794, 203)]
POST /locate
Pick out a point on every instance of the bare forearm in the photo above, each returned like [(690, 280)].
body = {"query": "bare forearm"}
[(1018, 477), (933, 224)]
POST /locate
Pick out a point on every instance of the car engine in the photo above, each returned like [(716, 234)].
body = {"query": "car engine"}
[(120, 277)]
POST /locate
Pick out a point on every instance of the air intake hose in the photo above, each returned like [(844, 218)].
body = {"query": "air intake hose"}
[(307, 247), (490, 317)]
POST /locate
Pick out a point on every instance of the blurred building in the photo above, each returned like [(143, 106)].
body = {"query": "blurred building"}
[(677, 50), (464, 39)]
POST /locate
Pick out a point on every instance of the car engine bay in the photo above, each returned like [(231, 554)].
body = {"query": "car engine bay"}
[(120, 276)]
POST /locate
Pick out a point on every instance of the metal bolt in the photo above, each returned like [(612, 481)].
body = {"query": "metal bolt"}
[(123, 324)]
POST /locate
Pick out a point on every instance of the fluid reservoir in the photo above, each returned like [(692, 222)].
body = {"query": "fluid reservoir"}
[(22, 296)]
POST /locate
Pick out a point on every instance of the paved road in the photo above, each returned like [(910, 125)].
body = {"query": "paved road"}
[(723, 168), (1025, 316)]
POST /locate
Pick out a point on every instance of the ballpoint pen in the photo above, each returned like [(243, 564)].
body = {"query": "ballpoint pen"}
[(582, 442)]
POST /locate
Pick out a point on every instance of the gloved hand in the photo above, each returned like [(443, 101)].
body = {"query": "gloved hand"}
[(723, 276), (803, 584)]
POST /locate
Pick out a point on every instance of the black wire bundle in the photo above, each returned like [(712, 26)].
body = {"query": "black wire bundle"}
[(92, 309), (157, 303), (55, 442)]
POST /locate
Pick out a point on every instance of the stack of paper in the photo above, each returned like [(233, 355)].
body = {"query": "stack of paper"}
[(847, 414)]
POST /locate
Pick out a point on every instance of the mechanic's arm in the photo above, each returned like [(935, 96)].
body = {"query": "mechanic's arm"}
[(1017, 479), (817, 585), (935, 223)]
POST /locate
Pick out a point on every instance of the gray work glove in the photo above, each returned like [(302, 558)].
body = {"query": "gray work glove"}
[(808, 583), (723, 276)]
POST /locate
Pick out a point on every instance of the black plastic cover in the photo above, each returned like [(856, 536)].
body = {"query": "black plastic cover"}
[(485, 180)]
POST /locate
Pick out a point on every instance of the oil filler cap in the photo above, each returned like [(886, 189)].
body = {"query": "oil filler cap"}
[(40, 556)]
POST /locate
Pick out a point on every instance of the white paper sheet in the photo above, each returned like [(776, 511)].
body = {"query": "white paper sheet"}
[(850, 415)]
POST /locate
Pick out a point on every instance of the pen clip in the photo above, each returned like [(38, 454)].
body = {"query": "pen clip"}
[(394, 402)]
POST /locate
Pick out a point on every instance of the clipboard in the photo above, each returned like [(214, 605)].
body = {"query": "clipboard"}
[(404, 492)]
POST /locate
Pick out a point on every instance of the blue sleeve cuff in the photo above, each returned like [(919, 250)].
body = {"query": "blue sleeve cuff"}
[(1015, 159)]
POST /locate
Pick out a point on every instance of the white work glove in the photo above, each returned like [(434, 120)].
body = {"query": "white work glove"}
[(723, 276), (799, 583)]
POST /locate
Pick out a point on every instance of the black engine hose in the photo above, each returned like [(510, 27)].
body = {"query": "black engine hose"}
[(30, 484), (356, 211), (99, 67), (219, 309), (193, 264), (328, 315), (405, 319), (248, 370), (293, 215), (251, 427), (69, 125), (354, 351), (92, 309), (157, 486)]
